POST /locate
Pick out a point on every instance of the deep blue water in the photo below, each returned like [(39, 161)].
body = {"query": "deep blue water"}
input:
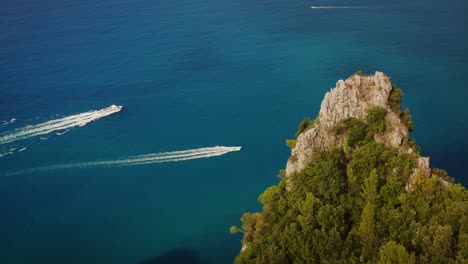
[(194, 74)]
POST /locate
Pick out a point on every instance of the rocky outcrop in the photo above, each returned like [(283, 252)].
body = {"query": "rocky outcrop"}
[(357, 119), (422, 170), (350, 98)]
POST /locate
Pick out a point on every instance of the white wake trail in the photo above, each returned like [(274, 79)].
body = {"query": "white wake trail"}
[(173, 156), (4, 154), (338, 7), (5, 123), (62, 133), (23, 149), (57, 125)]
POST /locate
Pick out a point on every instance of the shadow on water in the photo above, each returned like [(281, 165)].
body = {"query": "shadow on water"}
[(177, 256)]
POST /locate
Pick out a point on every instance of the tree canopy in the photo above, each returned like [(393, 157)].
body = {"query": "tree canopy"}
[(351, 206)]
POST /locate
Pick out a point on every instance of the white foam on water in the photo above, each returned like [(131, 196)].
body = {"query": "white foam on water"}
[(62, 133), (4, 154), (23, 149), (56, 125), (11, 121), (173, 156)]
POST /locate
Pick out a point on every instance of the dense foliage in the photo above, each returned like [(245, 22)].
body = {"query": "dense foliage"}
[(350, 205), (394, 101)]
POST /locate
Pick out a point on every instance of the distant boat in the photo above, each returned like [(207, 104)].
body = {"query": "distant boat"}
[(336, 7), (61, 124), (111, 109)]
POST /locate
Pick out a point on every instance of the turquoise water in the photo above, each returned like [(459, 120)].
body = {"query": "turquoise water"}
[(194, 74)]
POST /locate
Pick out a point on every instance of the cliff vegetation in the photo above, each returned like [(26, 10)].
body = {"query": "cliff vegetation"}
[(356, 190)]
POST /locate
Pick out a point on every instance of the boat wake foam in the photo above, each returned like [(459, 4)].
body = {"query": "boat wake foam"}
[(173, 156), (337, 7), (4, 154), (61, 124), (62, 133)]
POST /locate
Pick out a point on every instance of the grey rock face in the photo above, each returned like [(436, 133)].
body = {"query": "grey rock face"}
[(350, 98)]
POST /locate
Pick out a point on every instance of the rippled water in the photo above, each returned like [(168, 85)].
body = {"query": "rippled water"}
[(194, 74)]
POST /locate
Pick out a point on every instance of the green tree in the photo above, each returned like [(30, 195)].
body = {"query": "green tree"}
[(394, 253), (407, 120), (305, 124), (366, 231), (394, 99), (376, 119)]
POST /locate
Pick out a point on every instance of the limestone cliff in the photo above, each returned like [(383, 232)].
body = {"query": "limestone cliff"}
[(353, 98)]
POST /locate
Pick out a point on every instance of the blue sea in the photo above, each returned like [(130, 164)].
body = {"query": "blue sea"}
[(194, 74)]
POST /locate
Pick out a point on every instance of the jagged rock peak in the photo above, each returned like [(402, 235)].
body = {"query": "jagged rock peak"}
[(350, 98)]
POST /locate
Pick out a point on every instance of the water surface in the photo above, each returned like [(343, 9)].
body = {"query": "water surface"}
[(194, 74)]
